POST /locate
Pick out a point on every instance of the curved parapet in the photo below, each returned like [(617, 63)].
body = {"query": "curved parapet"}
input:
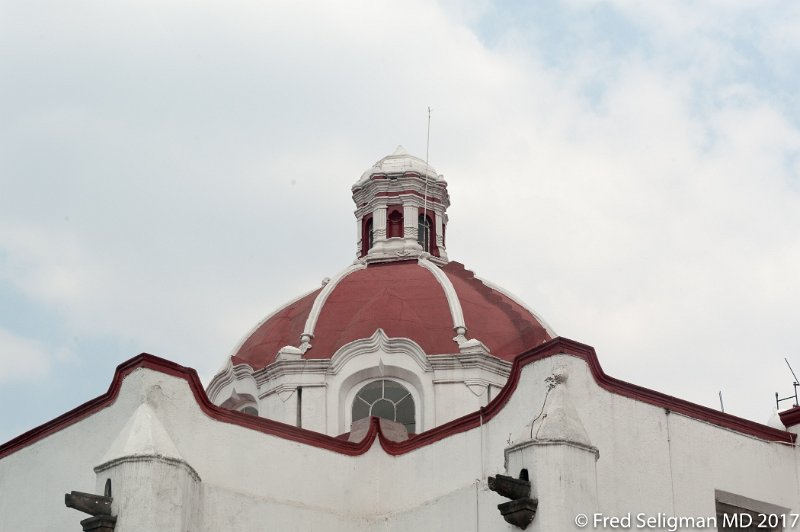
[(557, 346)]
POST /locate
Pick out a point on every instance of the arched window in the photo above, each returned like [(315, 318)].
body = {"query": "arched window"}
[(387, 399), (395, 226), (367, 236), (424, 232)]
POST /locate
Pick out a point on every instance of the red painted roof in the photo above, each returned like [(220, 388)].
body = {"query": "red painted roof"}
[(498, 321), (283, 328), (406, 301), (402, 298)]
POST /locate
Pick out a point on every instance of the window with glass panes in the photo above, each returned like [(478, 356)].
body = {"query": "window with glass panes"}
[(424, 232), (386, 399)]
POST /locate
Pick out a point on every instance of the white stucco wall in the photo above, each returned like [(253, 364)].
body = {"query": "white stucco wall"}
[(250, 480)]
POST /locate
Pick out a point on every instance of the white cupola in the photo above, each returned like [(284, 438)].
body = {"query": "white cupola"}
[(401, 205)]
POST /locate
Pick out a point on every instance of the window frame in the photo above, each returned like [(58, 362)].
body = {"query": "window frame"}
[(410, 388), (424, 232), (367, 234), (394, 222)]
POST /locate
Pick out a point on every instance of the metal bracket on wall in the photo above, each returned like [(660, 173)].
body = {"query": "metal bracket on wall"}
[(521, 510), (98, 506)]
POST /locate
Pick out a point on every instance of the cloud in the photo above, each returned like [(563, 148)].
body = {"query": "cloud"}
[(22, 359), (173, 172)]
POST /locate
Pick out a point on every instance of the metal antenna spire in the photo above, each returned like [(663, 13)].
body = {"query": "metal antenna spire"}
[(428, 139), (790, 369), (426, 230)]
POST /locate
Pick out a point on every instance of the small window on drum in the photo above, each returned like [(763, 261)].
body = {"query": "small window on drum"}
[(367, 236), (394, 227), (387, 399), (424, 232), (250, 410)]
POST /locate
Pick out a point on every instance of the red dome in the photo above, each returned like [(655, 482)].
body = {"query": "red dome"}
[(406, 300)]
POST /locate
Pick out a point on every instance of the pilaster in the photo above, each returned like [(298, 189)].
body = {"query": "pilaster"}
[(555, 452), (379, 223), (410, 221), (154, 487)]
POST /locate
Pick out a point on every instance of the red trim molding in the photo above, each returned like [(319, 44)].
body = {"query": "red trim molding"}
[(405, 192), (790, 417), (462, 424)]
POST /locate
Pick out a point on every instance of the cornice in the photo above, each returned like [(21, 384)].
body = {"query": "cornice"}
[(379, 342), (290, 387), (281, 368), (370, 189), (470, 361), (149, 458), (469, 382), (229, 374), (415, 200), (409, 189), (223, 377)]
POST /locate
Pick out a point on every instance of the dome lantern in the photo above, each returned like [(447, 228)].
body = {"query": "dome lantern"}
[(403, 333), (401, 210)]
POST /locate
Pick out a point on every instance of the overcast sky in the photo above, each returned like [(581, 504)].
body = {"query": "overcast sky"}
[(172, 171)]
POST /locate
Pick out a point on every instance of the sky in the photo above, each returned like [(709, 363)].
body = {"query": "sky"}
[(173, 171)]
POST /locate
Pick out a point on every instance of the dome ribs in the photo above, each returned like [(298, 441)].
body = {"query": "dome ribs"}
[(283, 328), (400, 297), (406, 300), (529, 332)]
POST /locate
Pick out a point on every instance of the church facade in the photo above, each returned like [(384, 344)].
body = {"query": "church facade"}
[(404, 393)]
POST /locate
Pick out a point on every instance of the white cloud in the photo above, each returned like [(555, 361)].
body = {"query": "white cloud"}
[(176, 169), (22, 359)]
